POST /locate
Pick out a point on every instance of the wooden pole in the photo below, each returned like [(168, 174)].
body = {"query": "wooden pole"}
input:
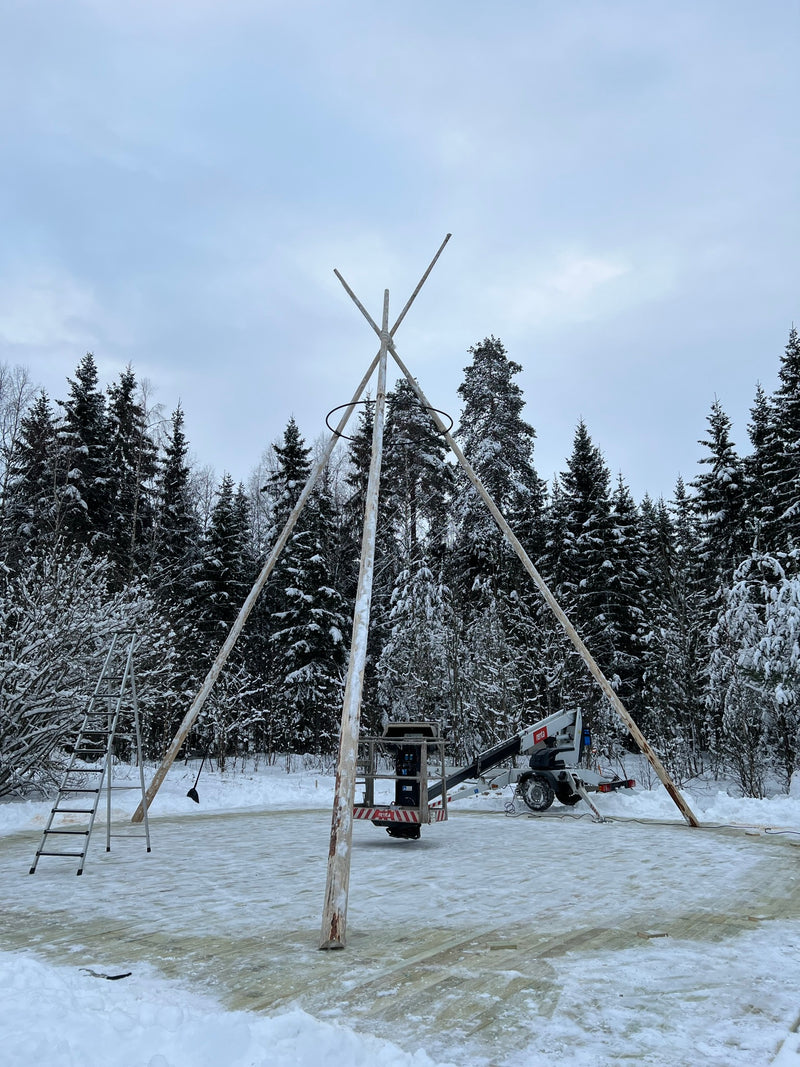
[(223, 654), (550, 600), (334, 914)]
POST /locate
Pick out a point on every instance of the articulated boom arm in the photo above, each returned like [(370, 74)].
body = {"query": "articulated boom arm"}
[(521, 744)]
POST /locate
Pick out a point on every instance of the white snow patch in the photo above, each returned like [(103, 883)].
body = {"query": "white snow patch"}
[(65, 1017)]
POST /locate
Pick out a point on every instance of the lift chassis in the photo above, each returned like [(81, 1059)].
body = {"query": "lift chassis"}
[(556, 747)]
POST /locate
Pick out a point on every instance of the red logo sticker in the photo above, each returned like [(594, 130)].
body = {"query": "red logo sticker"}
[(539, 735)]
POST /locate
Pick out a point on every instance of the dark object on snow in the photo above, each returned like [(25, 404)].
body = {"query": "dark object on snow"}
[(110, 977), (192, 794)]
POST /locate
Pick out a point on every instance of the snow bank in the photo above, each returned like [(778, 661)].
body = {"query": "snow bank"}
[(273, 788), (66, 1017)]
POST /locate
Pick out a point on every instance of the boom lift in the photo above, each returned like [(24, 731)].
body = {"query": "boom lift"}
[(555, 746)]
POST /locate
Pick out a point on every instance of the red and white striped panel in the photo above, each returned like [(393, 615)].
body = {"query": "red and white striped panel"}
[(394, 814)]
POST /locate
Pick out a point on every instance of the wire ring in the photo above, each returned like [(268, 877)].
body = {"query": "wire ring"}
[(353, 403)]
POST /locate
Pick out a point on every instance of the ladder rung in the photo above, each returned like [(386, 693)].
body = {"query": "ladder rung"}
[(66, 831), (75, 789), (87, 770), (72, 811), (78, 855)]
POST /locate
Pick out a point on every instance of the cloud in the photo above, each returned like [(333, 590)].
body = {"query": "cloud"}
[(571, 286), (47, 310)]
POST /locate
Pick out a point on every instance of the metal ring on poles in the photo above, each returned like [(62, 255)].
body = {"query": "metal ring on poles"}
[(425, 407), (339, 408)]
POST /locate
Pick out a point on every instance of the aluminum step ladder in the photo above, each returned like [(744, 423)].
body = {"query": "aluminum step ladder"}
[(112, 704)]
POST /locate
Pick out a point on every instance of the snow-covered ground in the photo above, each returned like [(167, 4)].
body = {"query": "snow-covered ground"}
[(493, 940)]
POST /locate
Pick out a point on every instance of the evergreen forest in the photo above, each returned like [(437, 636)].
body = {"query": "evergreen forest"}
[(690, 605)]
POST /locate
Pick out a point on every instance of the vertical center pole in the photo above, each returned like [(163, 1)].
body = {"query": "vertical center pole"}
[(334, 914)]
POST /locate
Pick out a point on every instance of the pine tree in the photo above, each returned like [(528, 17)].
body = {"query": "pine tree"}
[(736, 695), (227, 568), (414, 667), (491, 650), (672, 711), (176, 534), (31, 513), (294, 468), (83, 460), (719, 504), (307, 620), (579, 563), (498, 443), (131, 467), (783, 466), (688, 597), (759, 505), (415, 480), (625, 599), (779, 664)]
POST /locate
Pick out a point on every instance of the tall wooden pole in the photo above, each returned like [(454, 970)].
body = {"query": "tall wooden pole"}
[(334, 914), (227, 647), (550, 600)]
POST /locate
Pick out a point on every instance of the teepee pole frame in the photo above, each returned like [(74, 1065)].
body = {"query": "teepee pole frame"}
[(238, 625)]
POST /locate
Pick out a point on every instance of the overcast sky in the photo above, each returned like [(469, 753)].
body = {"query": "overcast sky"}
[(179, 179)]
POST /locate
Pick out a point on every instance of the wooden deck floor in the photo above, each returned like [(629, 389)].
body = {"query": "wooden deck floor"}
[(230, 904)]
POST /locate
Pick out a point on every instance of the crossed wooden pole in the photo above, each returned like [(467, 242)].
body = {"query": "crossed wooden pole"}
[(334, 918)]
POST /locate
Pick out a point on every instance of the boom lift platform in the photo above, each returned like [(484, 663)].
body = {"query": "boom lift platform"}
[(556, 746), (414, 749)]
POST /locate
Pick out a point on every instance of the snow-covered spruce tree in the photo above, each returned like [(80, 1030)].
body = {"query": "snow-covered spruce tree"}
[(718, 503), (226, 574), (56, 622), (581, 569), (413, 671), (493, 598), (759, 503), (688, 594), (31, 506), (498, 442), (672, 707), (415, 479), (779, 664), (308, 620), (175, 576), (413, 668), (736, 691), (490, 694), (175, 540), (83, 460), (131, 468), (625, 599), (228, 570), (782, 463)]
